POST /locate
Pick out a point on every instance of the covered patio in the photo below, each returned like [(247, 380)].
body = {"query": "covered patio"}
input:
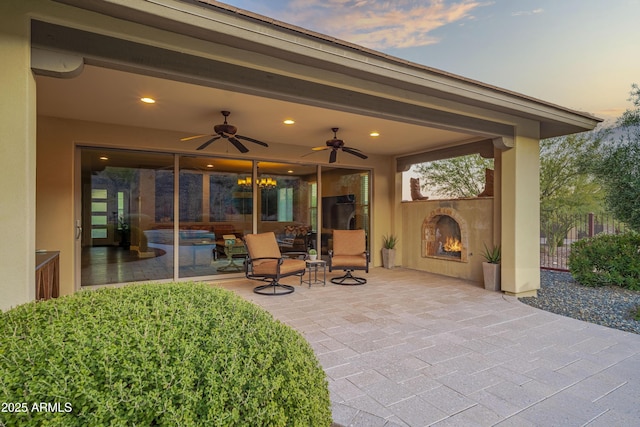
[(74, 75), (412, 348)]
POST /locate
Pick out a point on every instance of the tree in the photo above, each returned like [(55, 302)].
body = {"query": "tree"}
[(455, 178), (618, 168), (619, 172), (631, 117), (566, 187)]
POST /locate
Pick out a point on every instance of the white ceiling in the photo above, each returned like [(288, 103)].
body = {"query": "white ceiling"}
[(111, 96)]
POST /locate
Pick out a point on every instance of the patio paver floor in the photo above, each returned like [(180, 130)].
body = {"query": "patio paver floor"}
[(411, 348)]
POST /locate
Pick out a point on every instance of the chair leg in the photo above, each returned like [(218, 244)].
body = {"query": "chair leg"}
[(273, 288), (349, 280)]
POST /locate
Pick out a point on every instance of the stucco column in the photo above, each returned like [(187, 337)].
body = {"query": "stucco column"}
[(17, 159), (520, 202)]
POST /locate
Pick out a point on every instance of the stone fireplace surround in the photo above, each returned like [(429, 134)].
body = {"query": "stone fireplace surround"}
[(474, 216)]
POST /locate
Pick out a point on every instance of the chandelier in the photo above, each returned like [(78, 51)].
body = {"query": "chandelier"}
[(265, 183)]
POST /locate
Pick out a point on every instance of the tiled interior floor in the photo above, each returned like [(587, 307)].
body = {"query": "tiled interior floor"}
[(416, 349), (108, 264)]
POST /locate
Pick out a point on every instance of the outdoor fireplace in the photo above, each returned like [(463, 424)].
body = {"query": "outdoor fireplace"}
[(444, 234)]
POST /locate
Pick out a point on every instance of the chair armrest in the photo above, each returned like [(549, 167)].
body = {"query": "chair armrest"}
[(249, 261)]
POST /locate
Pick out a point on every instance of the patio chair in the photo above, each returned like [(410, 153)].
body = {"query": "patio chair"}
[(349, 253), (265, 262)]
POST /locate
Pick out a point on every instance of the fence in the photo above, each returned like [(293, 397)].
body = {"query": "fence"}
[(558, 232)]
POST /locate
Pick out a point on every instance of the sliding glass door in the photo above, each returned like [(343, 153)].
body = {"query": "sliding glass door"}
[(216, 206), (155, 217), (142, 224), (124, 196)]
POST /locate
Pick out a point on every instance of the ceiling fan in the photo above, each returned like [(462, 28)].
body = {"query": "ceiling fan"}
[(226, 131), (336, 144)]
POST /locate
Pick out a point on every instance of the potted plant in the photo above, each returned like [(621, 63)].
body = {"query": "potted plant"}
[(313, 254), (389, 243), (491, 268)]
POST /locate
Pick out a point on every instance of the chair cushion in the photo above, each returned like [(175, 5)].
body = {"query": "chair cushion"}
[(269, 268), (263, 245), (349, 261), (349, 242)]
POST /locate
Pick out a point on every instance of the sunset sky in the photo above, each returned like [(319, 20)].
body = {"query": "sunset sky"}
[(580, 54)]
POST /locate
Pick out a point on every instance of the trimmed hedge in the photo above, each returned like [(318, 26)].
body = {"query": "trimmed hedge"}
[(156, 355), (607, 260)]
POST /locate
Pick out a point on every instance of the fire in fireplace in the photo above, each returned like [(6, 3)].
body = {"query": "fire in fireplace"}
[(444, 235), (452, 245), (448, 237)]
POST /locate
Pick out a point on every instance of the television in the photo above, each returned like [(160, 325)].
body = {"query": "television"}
[(338, 212)]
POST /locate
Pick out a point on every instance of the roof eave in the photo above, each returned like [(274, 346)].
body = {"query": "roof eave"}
[(247, 30)]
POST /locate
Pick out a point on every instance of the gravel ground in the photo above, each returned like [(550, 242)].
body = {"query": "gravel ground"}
[(608, 306)]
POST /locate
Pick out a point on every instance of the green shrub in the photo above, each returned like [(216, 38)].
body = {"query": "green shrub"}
[(157, 355), (607, 260), (389, 241)]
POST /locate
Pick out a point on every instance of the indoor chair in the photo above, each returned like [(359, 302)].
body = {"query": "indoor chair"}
[(265, 262), (349, 253)]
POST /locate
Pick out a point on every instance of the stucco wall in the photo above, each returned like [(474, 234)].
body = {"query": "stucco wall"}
[(18, 159), (478, 214)]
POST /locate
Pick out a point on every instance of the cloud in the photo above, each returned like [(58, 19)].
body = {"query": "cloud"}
[(527, 12), (380, 24)]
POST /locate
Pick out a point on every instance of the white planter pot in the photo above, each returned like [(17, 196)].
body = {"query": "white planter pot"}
[(491, 274), (313, 257), (388, 258)]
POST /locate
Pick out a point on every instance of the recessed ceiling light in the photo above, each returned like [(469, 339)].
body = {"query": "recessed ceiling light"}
[(147, 100), (374, 133), (289, 171), (289, 122), (209, 165), (104, 158)]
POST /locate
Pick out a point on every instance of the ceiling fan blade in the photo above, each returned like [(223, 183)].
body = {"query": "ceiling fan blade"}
[(355, 152), (189, 138), (333, 156), (255, 141), (241, 148), (324, 147), (206, 144)]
